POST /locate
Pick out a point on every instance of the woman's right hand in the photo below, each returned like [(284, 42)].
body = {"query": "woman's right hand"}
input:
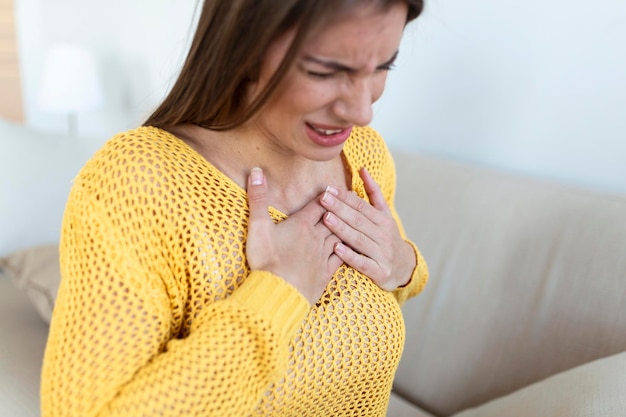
[(298, 249)]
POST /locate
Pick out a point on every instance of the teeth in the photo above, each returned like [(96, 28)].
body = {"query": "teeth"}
[(327, 132)]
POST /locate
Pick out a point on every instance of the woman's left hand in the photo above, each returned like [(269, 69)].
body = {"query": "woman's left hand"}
[(371, 240)]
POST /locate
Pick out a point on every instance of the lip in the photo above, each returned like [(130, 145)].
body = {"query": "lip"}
[(328, 140)]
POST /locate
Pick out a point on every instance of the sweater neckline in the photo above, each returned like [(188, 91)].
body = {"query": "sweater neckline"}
[(274, 212)]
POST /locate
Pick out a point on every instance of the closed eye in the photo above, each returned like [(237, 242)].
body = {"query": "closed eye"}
[(336, 68), (321, 75), (386, 67), (389, 65)]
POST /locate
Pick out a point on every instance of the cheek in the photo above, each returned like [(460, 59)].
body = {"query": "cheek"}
[(311, 95), (299, 95)]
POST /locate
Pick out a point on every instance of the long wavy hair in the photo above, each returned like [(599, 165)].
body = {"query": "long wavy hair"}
[(230, 42)]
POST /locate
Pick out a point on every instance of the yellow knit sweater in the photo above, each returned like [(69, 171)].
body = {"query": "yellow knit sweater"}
[(158, 314)]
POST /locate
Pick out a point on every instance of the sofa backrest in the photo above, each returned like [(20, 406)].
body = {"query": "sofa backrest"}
[(527, 279), (36, 174)]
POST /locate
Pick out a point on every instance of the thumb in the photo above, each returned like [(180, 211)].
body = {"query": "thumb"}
[(257, 196), (259, 223)]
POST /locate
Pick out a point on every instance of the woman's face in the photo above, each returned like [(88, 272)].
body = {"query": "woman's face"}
[(339, 73)]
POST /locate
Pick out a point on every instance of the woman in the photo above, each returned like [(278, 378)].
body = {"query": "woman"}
[(239, 254)]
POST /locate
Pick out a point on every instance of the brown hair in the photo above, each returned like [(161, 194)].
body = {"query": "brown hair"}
[(226, 53)]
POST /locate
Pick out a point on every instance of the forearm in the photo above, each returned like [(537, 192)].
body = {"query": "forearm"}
[(235, 349), (115, 346)]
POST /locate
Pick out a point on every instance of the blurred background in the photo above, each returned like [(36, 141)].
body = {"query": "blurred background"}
[(535, 87)]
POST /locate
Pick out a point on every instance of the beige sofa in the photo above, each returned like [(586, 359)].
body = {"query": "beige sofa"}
[(525, 313)]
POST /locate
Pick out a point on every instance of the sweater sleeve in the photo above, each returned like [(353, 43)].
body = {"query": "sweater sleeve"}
[(419, 277), (112, 348), (387, 180)]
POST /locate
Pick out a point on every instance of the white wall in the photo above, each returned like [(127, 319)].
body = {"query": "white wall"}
[(537, 87), (139, 44)]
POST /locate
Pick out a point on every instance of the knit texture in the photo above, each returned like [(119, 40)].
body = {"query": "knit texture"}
[(158, 313)]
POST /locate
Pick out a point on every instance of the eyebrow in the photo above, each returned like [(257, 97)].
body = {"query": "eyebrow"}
[(341, 67)]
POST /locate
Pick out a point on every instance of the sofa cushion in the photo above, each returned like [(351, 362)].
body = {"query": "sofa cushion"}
[(594, 389), (527, 280), (22, 345), (398, 407), (36, 272)]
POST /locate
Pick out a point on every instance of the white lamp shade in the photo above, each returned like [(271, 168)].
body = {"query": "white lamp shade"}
[(70, 82)]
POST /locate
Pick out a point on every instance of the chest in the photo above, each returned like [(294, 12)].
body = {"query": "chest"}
[(346, 352), (345, 355)]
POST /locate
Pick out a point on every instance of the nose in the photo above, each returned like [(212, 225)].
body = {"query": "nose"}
[(355, 103)]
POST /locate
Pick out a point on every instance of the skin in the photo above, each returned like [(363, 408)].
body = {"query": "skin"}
[(339, 73)]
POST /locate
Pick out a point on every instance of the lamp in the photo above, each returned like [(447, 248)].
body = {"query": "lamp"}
[(70, 83)]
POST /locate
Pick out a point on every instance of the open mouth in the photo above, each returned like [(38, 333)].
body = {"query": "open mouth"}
[(328, 137), (326, 132)]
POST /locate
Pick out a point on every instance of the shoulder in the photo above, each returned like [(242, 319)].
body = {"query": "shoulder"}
[(365, 139), (144, 145), (144, 160), (366, 148), (146, 151)]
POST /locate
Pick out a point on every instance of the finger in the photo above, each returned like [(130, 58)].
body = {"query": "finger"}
[(374, 192), (349, 206), (368, 267), (334, 262), (311, 213), (351, 209), (357, 239), (361, 263), (258, 198)]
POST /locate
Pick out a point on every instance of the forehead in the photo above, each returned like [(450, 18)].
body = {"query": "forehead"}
[(366, 31), (364, 37)]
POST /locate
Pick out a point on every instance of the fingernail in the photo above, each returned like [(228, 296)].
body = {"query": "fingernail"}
[(256, 176), (328, 199), (339, 248), (331, 219), (331, 189)]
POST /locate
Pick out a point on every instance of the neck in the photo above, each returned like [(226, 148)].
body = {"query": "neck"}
[(293, 180)]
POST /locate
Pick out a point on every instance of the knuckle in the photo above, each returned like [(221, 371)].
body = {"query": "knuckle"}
[(357, 220), (386, 273), (257, 194), (360, 205), (360, 239), (363, 265)]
